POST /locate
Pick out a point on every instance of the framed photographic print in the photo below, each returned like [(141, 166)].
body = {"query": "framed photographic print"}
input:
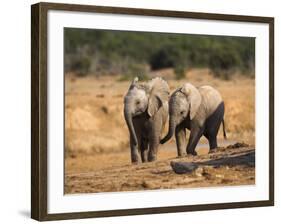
[(139, 111)]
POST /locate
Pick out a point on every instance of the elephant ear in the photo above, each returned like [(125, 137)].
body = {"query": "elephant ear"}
[(193, 97), (158, 91)]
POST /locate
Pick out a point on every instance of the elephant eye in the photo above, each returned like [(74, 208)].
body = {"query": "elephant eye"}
[(182, 112), (138, 102)]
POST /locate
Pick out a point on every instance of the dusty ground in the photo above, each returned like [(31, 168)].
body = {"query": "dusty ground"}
[(96, 146), (221, 168)]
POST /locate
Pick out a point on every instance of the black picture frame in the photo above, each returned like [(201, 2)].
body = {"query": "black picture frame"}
[(39, 107)]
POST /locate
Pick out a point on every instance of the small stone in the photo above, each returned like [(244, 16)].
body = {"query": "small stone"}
[(183, 167), (199, 172), (104, 109), (145, 184), (219, 176), (208, 169)]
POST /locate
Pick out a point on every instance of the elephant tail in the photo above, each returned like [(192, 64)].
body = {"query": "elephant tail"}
[(223, 127)]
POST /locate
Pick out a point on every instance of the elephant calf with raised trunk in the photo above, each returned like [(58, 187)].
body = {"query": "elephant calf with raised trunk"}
[(146, 112), (199, 110)]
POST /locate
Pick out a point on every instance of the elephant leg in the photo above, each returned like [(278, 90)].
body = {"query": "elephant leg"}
[(180, 140), (213, 125), (152, 152), (212, 136), (144, 155), (212, 132), (212, 139), (144, 150), (153, 147), (195, 134), (213, 142), (154, 137), (134, 152)]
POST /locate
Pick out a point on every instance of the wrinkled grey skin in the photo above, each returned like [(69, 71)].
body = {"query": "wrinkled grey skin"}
[(199, 110), (146, 112)]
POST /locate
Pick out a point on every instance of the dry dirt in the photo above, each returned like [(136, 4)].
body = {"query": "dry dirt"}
[(222, 168), (97, 154)]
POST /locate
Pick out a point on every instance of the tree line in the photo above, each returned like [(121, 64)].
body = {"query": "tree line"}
[(98, 52)]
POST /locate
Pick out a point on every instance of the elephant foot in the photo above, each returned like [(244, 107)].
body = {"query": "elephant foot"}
[(213, 150), (194, 153), (135, 159), (181, 155), (151, 158), (216, 149), (144, 156)]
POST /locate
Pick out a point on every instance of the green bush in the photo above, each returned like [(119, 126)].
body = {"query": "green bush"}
[(165, 57), (116, 52), (224, 61)]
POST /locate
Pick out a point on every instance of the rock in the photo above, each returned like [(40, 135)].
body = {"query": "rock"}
[(219, 176), (208, 169), (104, 109), (183, 167), (148, 184), (199, 172)]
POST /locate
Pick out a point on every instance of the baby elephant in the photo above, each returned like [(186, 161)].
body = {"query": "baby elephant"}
[(199, 110), (146, 112)]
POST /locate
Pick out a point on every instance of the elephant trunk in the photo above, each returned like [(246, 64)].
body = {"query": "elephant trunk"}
[(129, 120), (172, 127)]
